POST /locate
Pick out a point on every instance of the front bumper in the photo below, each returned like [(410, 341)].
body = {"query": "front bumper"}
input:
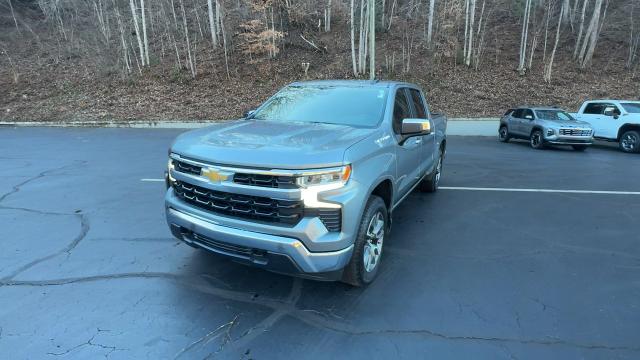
[(569, 140), (285, 254)]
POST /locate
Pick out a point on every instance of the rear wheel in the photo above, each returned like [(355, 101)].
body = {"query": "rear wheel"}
[(630, 141), (367, 252), (503, 134), (579, 147), (431, 183), (537, 140)]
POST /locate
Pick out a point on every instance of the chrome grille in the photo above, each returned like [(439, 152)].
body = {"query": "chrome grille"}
[(184, 167), (272, 181), (575, 132), (287, 212)]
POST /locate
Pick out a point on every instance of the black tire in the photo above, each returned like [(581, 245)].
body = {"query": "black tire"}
[(579, 147), (356, 273), (537, 140), (630, 141), (430, 183), (503, 134)]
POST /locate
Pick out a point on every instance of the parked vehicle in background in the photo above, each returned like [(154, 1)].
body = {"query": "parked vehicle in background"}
[(545, 125), (614, 120), (306, 184)]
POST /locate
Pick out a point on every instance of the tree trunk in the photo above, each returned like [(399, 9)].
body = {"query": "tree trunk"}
[(186, 36), (212, 23), (136, 26), (591, 37), (549, 67), (353, 42), (430, 26), (581, 28), (466, 29), (144, 32), (15, 21), (523, 38), (372, 40), (472, 14)]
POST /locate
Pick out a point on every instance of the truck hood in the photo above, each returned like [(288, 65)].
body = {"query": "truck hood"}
[(270, 144)]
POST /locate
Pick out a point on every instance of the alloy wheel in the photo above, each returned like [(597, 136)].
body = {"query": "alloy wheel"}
[(373, 244), (629, 142)]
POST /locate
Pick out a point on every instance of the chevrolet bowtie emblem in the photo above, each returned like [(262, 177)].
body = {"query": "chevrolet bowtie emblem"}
[(214, 175)]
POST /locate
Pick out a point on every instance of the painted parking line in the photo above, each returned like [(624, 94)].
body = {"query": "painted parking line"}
[(152, 180), (540, 190)]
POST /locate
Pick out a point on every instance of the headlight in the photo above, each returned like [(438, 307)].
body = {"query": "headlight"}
[(169, 169), (551, 132), (328, 179), (312, 183)]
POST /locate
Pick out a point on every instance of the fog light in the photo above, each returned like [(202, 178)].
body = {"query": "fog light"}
[(550, 132)]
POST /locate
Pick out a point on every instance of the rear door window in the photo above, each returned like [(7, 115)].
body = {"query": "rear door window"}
[(600, 108), (418, 104), (528, 114), (594, 108), (518, 113)]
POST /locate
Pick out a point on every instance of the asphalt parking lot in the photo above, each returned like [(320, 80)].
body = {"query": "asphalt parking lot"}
[(89, 269)]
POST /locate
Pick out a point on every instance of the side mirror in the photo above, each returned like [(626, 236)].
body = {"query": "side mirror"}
[(608, 112), (415, 127), (528, 117), (249, 113)]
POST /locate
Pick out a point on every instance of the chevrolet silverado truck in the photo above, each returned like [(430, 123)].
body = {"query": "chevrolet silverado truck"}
[(545, 125), (306, 184), (614, 120)]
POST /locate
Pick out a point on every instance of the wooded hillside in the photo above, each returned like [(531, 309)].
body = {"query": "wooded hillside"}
[(215, 59)]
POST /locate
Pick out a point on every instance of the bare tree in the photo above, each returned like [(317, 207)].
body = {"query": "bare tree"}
[(549, 65), (15, 21), (353, 41), (634, 38), (212, 23), (144, 32), (590, 37), (585, 3), (372, 40), (192, 67), (136, 25), (430, 25), (523, 37)]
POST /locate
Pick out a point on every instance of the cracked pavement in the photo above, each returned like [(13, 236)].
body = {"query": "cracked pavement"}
[(88, 268)]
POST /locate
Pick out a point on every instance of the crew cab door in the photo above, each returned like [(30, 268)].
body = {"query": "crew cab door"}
[(604, 126), (421, 111), (409, 152)]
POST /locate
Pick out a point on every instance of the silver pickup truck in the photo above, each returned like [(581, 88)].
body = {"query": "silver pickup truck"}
[(306, 184)]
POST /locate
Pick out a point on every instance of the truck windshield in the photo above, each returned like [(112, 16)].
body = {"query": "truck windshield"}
[(632, 108), (557, 115), (344, 105)]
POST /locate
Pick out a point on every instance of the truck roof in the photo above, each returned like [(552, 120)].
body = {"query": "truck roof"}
[(613, 100), (373, 83)]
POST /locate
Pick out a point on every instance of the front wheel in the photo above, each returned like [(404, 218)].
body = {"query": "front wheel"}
[(630, 141), (367, 252), (579, 147), (537, 140)]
